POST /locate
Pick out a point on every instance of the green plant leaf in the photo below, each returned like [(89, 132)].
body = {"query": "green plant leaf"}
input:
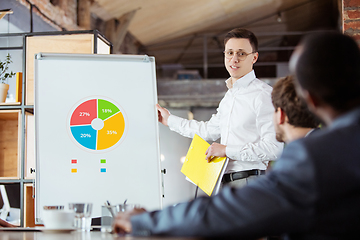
[(4, 75)]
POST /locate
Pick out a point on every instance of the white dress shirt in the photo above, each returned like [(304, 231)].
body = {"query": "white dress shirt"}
[(244, 123)]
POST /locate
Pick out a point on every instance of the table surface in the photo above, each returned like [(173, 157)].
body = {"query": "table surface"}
[(73, 235)]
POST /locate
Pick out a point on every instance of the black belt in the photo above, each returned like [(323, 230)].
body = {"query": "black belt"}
[(229, 177)]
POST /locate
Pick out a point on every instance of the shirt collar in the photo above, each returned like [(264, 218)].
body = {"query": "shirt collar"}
[(242, 82), (309, 132)]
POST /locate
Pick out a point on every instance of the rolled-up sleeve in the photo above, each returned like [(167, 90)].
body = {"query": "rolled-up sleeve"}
[(209, 130)]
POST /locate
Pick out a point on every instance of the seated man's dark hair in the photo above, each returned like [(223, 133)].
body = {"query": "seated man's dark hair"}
[(329, 68)]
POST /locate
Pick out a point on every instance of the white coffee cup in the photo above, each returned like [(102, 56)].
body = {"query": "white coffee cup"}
[(58, 218)]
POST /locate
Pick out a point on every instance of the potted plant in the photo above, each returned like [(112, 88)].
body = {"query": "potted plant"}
[(4, 75)]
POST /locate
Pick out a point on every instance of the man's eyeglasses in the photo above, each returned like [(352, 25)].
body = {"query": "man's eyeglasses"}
[(240, 54)]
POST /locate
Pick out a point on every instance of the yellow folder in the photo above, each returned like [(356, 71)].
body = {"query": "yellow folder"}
[(203, 174)]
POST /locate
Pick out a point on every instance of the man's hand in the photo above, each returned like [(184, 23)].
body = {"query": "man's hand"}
[(215, 150), (122, 223), (6, 224), (163, 114)]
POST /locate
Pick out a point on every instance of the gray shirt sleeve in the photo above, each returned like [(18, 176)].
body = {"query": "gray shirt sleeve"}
[(285, 195)]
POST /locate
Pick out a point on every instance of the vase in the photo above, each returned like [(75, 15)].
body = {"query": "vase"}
[(3, 91)]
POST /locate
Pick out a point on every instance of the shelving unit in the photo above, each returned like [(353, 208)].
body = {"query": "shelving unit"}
[(10, 146), (17, 133)]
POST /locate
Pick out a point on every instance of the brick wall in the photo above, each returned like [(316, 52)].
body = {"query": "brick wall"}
[(351, 18), (63, 15)]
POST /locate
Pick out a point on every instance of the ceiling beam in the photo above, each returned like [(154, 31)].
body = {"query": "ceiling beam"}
[(116, 29), (185, 49), (4, 12), (174, 51), (84, 15), (213, 35)]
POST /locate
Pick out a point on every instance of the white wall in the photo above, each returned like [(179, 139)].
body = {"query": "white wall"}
[(8, 27), (174, 146), (16, 55), (17, 22), (20, 19), (282, 70), (15, 66)]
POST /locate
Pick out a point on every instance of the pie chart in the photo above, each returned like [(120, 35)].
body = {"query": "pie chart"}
[(97, 124)]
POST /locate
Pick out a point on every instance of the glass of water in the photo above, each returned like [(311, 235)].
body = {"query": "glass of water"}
[(82, 219), (109, 212)]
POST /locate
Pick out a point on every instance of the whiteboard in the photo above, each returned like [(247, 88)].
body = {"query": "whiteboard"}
[(96, 131)]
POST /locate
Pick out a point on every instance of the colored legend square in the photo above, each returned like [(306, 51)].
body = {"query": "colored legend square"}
[(102, 160), (73, 161), (74, 170), (102, 169)]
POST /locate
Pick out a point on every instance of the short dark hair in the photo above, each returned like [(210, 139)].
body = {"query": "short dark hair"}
[(243, 33), (284, 96), (328, 67)]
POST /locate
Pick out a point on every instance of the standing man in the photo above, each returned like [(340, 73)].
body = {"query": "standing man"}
[(313, 191), (292, 118), (244, 117)]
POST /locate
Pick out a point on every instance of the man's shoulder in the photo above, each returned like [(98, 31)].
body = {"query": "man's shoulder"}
[(316, 149), (260, 91), (260, 86), (331, 139)]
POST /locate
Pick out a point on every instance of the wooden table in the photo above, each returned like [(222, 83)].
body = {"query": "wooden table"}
[(74, 235)]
